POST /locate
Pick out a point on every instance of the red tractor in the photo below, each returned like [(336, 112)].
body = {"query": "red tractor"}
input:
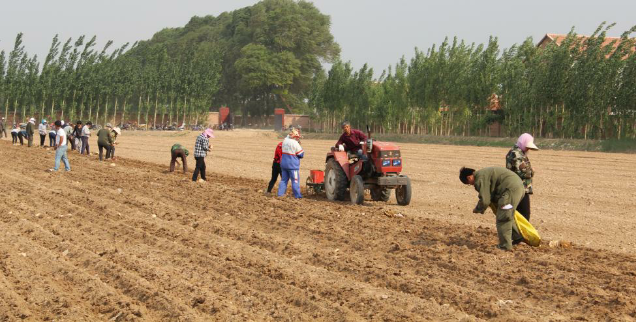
[(376, 169)]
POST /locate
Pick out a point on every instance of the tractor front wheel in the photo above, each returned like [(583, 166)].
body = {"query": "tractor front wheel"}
[(335, 181), (403, 193), (356, 190), (379, 193)]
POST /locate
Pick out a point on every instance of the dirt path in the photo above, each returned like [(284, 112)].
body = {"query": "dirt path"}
[(132, 242)]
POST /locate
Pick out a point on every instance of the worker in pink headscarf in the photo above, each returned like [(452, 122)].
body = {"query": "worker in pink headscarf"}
[(518, 162)]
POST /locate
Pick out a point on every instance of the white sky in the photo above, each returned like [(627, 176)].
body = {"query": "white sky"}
[(375, 31)]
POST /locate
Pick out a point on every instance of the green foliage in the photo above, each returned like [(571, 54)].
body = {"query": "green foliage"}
[(582, 88), (269, 53)]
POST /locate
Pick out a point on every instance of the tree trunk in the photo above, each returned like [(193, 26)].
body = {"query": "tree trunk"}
[(154, 120), (114, 121), (15, 109), (82, 107), (52, 108), (147, 109), (106, 111), (41, 112), (170, 115), (139, 111), (90, 108), (123, 112), (97, 111), (185, 104)]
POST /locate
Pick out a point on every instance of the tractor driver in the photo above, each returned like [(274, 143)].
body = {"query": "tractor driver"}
[(351, 139)]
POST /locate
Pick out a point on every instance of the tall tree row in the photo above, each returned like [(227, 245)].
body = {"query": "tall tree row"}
[(583, 88), (107, 85), (270, 55)]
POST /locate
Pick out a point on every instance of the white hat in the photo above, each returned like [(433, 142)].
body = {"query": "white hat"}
[(117, 130), (31, 120)]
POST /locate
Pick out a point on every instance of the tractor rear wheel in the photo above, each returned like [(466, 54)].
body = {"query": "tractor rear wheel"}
[(356, 190), (335, 181), (403, 193), (379, 193)]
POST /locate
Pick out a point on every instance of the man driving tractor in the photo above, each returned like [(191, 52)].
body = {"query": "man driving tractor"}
[(351, 139)]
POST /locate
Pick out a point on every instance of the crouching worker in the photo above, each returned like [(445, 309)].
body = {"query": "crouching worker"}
[(504, 189), (178, 151), (290, 164)]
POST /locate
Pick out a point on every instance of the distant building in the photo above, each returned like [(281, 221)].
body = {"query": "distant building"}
[(559, 38)]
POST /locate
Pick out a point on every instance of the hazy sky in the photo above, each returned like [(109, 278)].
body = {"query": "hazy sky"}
[(375, 31)]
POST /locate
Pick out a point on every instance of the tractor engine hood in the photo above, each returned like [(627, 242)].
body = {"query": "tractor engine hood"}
[(386, 157)]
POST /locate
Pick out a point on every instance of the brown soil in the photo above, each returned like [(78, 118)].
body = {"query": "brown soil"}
[(134, 242)]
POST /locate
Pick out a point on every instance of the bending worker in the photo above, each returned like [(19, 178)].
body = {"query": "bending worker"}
[(290, 164), (351, 139), (178, 151), (504, 189)]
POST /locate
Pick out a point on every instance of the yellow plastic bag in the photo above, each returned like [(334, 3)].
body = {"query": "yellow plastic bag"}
[(529, 233)]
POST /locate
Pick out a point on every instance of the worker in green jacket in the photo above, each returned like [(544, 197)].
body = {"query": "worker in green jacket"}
[(178, 151), (104, 141), (504, 189)]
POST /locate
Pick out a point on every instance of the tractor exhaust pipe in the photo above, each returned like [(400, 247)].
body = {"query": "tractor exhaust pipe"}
[(369, 140)]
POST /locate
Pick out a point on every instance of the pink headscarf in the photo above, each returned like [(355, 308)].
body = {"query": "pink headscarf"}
[(209, 133), (525, 142)]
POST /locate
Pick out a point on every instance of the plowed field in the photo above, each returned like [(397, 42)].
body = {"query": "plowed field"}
[(135, 242)]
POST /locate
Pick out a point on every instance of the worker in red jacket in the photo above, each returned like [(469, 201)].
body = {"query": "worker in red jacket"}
[(275, 166), (351, 140)]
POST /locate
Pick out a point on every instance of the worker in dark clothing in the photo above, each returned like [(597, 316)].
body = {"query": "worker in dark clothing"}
[(201, 147), (278, 153), (30, 131), (351, 140), (22, 134), (3, 127), (77, 135), (178, 151), (504, 189)]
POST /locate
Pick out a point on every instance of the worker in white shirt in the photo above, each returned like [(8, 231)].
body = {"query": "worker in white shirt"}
[(61, 145)]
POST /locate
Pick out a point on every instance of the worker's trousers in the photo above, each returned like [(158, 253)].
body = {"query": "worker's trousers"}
[(178, 153), (286, 175), (507, 229), (85, 146), (200, 167), (275, 173), (60, 155), (101, 148)]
